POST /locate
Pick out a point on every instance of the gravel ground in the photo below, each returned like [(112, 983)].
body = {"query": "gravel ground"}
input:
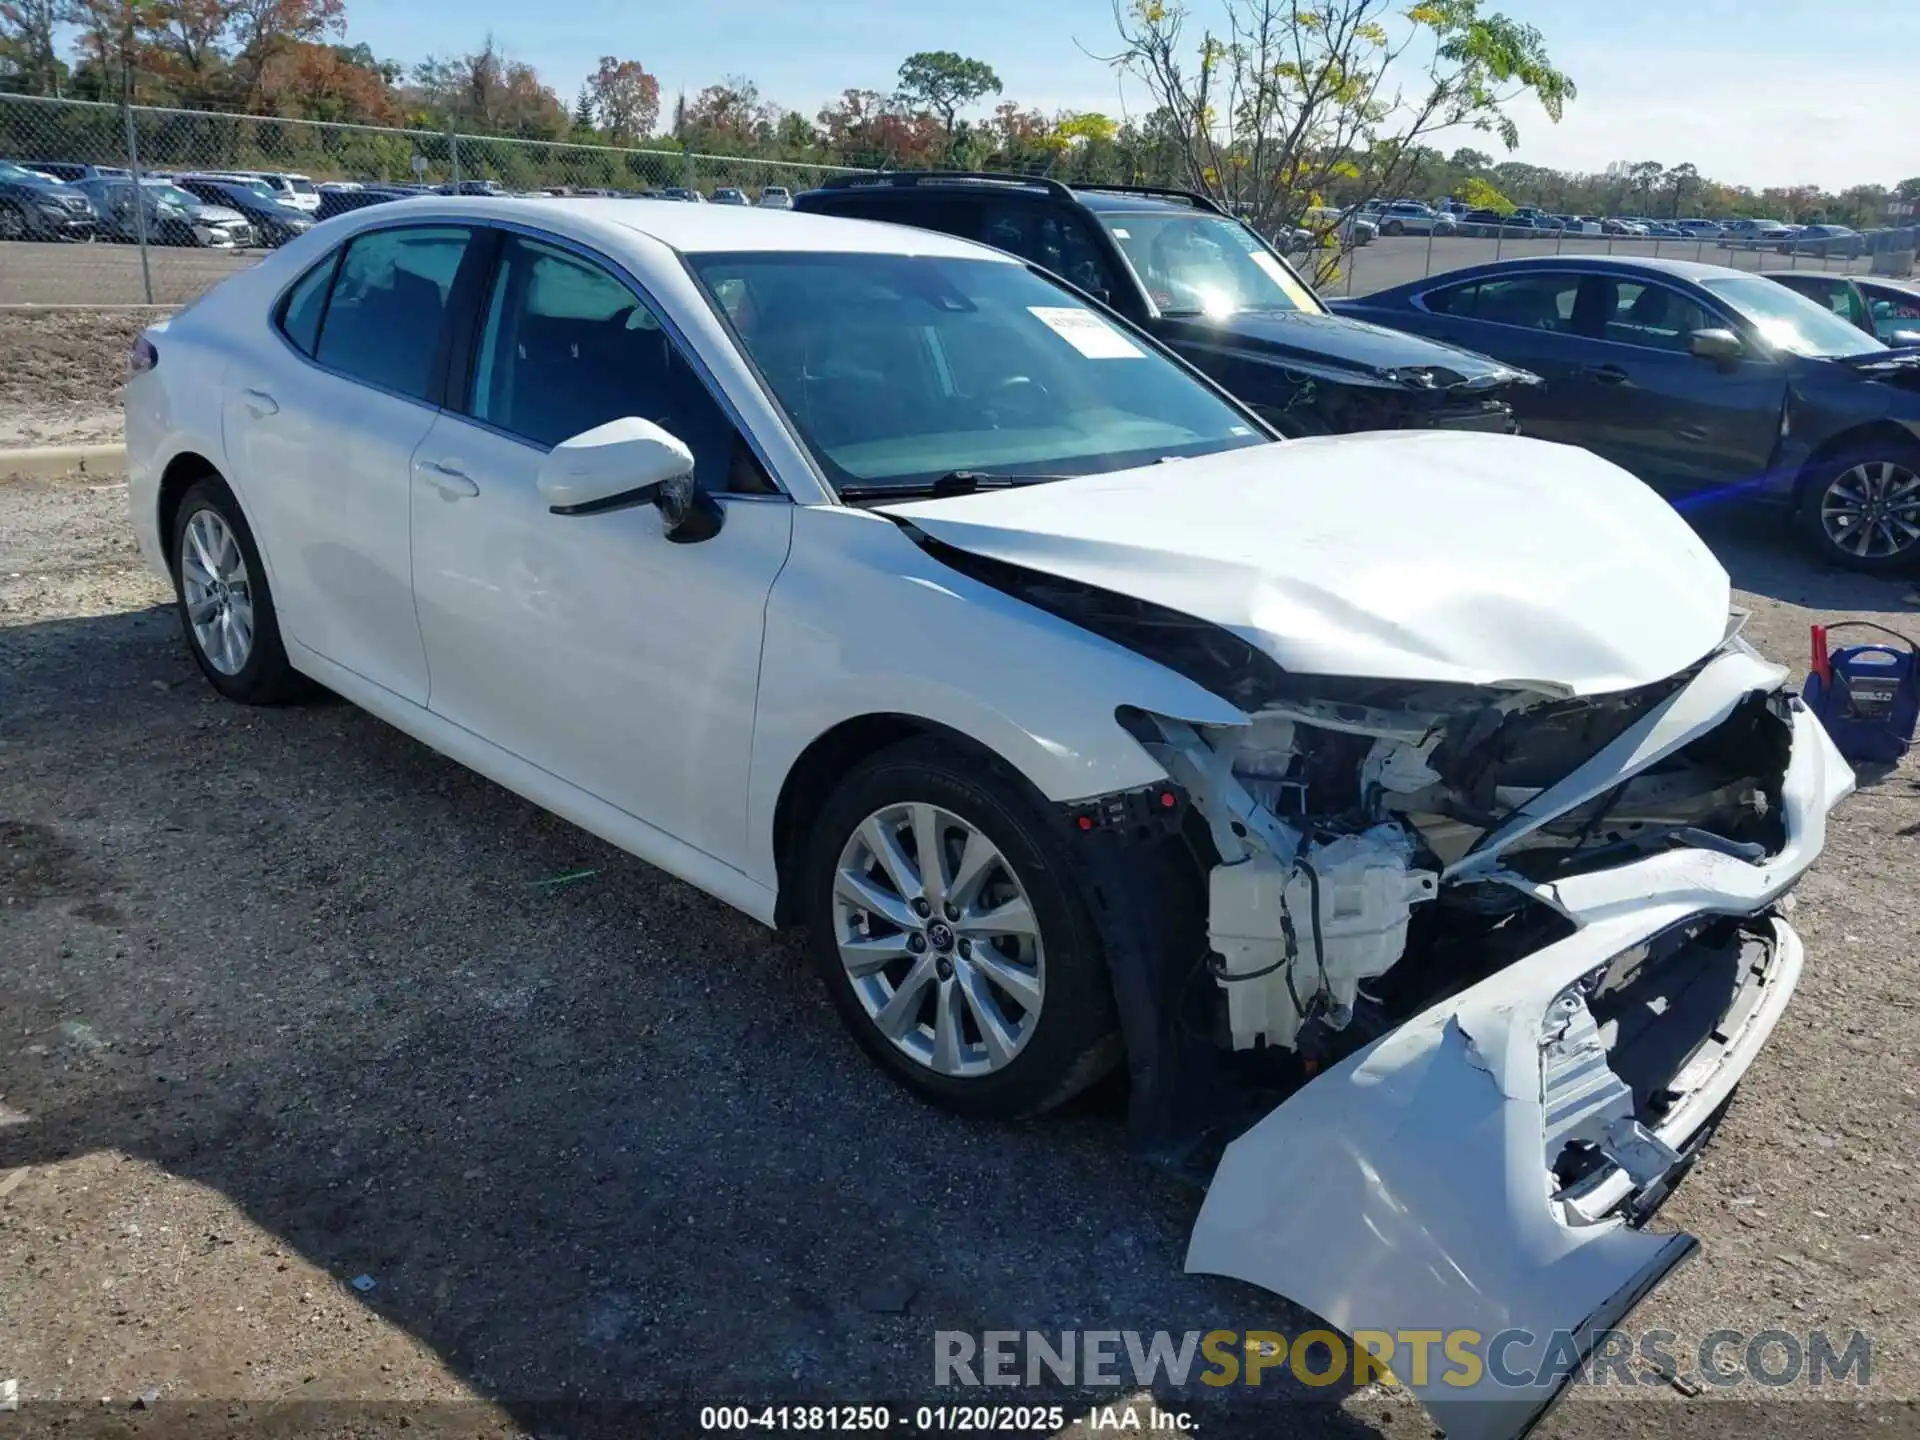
[(285, 1003), (61, 373)]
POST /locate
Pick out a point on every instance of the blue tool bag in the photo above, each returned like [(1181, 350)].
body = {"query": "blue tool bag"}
[(1868, 696)]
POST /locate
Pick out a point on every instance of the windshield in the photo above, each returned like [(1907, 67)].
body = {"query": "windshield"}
[(1207, 265), (1789, 321), (10, 171), (897, 370), (302, 185), (173, 195)]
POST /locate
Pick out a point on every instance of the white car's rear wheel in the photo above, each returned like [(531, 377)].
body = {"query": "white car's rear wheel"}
[(952, 937), (226, 607)]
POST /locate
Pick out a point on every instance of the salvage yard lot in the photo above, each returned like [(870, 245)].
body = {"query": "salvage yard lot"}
[(105, 274), (289, 1000)]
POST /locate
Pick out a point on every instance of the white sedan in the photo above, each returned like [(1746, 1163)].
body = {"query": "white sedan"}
[(873, 581)]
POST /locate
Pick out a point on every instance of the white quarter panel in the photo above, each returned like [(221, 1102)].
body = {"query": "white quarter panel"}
[(590, 645), (864, 622)]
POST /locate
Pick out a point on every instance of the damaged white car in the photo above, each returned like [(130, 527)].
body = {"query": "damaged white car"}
[(1404, 808)]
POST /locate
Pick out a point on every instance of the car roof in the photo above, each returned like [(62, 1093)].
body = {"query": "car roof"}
[(699, 229), (1120, 203), (1694, 270)]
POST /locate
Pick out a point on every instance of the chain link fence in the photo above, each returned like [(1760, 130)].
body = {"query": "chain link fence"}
[(155, 206), (216, 190)]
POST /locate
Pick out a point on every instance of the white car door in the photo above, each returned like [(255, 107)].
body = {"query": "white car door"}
[(322, 430), (590, 645)]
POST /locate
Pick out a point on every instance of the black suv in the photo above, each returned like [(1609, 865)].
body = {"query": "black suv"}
[(1206, 285)]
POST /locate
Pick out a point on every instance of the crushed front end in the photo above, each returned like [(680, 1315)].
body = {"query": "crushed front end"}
[(1506, 953)]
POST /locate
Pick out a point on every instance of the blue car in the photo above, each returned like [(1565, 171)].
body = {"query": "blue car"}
[(1713, 384)]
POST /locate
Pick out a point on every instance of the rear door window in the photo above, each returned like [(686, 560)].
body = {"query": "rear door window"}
[(382, 324), (300, 312), (1653, 317), (1529, 302)]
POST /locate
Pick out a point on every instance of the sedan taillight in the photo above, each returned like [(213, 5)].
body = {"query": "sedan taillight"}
[(142, 357)]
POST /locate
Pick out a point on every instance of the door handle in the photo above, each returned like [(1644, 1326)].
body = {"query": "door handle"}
[(449, 480), (1608, 374), (260, 403)]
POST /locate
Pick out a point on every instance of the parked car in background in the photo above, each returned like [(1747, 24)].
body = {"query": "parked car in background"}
[(775, 197), (1716, 385), (1888, 310), (1348, 227), (686, 193), (1410, 217), (471, 187), (1615, 225), (290, 189), (273, 223), (71, 173), (341, 202), (729, 195), (33, 207), (1826, 241), (923, 606), (1746, 234), (173, 216), (1205, 284), (326, 185), (1576, 225)]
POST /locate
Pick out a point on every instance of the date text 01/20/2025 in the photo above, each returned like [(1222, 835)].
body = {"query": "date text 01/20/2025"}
[(941, 1419)]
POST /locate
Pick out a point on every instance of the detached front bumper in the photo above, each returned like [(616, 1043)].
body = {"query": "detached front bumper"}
[(1411, 1188)]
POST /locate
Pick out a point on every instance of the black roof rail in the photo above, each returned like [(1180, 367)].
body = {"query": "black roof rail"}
[(906, 179), (1199, 202)]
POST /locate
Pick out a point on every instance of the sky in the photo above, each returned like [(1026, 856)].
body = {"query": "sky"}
[(1753, 92)]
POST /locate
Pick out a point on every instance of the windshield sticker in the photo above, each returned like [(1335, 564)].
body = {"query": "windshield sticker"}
[(1282, 277), (1086, 332), (1120, 234)]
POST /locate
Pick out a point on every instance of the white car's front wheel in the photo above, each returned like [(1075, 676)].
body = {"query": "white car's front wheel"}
[(950, 931)]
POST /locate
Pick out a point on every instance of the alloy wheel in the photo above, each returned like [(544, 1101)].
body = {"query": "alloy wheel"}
[(219, 595), (13, 224), (939, 940), (1872, 510)]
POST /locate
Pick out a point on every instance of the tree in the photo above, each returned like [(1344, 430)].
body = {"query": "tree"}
[(1682, 180), (260, 29), (1280, 101), (942, 82), (624, 98), (488, 93), (27, 44), (1470, 160), (583, 109), (728, 117)]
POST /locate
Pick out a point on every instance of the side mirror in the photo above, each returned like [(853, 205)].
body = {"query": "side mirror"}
[(1901, 339), (629, 462), (1720, 346)]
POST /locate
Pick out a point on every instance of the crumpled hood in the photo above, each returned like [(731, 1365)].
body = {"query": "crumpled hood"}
[(1417, 555), (1338, 341)]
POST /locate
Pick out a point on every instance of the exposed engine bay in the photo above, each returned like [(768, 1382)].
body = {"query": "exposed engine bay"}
[(1347, 834)]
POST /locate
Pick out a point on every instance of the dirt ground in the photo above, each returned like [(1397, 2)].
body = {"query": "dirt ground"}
[(287, 1000), (61, 372)]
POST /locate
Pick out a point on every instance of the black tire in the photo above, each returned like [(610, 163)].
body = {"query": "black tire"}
[(267, 678), (14, 222), (1839, 476), (1074, 1041), (1393, 227)]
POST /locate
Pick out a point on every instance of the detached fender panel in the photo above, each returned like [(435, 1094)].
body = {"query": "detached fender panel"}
[(1408, 1190)]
